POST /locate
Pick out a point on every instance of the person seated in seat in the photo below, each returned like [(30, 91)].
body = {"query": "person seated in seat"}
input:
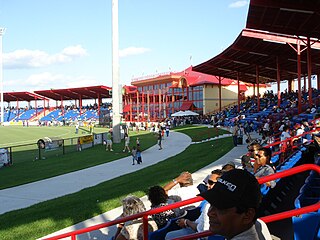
[(234, 201), (265, 167), (133, 229), (158, 198), (228, 166), (182, 188), (202, 223), (246, 163)]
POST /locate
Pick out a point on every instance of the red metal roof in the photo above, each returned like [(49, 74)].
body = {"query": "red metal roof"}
[(293, 17), (92, 92), (21, 96), (196, 78), (250, 50), (254, 48)]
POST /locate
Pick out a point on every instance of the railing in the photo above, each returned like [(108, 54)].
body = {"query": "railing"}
[(289, 143), (144, 215)]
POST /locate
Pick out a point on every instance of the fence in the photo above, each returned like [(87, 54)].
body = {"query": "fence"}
[(57, 147)]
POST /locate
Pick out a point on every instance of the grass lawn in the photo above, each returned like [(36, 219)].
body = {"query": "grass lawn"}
[(200, 132), (47, 217), (19, 135), (29, 170), (50, 216)]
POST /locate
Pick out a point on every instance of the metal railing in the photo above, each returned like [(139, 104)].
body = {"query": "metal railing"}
[(144, 215)]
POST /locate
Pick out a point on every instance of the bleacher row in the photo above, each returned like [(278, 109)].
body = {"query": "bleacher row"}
[(55, 115), (309, 194)]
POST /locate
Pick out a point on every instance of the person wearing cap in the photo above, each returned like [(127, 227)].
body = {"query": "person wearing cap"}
[(234, 202), (202, 222)]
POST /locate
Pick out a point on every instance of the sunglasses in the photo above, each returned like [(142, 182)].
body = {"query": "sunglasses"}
[(210, 182)]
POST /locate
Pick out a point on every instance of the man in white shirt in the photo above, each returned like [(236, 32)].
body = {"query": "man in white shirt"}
[(182, 188), (202, 222)]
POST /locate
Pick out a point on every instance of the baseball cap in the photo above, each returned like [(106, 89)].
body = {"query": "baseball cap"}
[(234, 188)]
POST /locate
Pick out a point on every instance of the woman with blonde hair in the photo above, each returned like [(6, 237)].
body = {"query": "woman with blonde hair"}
[(133, 229)]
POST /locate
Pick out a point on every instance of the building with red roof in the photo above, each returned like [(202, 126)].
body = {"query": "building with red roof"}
[(157, 96)]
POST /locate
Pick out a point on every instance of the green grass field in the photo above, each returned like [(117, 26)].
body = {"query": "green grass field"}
[(50, 216), (18, 135)]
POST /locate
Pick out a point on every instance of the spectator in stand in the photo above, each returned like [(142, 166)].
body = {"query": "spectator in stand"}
[(158, 198), (246, 163), (202, 222), (235, 200), (182, 188), (228, 166), (265, 167), (133, 229), (285, 133)]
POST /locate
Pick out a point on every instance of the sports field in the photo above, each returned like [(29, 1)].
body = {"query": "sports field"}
[(19, 135)]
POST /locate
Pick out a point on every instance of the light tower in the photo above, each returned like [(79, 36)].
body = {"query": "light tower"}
[(115, 74), (2, 30)]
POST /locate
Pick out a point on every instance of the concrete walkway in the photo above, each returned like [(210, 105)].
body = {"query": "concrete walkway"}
[(29, 194), (175, 144)]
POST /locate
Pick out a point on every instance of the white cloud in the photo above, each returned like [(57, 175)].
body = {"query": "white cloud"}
[(132, 51), (238, 4), (46, 80), (25, 58)]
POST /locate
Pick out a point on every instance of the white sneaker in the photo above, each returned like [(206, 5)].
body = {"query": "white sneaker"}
[(111, 150)]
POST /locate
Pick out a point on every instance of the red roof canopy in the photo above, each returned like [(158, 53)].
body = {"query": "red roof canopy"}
[(92, 92), (293, 17), (258, 51), (21, 96)]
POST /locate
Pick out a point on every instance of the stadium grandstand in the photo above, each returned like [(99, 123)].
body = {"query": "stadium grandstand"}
[(286, 123), (256, 57)]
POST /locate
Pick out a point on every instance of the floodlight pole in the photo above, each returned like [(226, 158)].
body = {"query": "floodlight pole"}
[(2, 30), (115, 74)]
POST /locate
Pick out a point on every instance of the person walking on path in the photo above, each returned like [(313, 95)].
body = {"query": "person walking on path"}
[(167, 130), (134, 155), (139, 158), (109, 142), (77, 127), (126, 143), (160, 139), (235, 134)]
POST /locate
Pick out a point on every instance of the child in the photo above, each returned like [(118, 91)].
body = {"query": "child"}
[(134, 155), (139, 159)]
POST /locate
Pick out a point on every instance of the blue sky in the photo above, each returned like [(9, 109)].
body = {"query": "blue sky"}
[(67, 43)]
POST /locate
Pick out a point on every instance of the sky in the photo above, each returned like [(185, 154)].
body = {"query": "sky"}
[(68, 43)]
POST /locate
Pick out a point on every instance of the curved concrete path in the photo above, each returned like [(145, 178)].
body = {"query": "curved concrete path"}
[(29, 194)]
